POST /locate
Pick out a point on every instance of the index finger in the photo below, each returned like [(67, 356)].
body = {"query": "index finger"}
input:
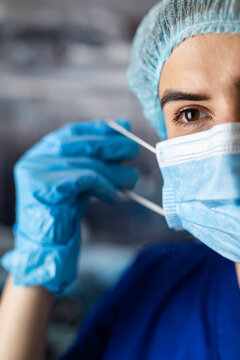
[(93, 127)]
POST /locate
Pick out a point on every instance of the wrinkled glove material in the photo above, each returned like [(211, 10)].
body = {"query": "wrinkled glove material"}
[(54, 181)]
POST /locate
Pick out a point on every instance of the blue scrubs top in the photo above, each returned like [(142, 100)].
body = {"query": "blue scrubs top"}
[(175, 302)]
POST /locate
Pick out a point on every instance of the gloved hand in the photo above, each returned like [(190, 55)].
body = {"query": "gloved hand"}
[(54, 181)]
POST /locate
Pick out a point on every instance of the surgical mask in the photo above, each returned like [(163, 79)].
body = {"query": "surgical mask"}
[(201, 191)]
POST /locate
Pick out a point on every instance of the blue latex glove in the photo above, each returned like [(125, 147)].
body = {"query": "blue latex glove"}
[(54, 181)]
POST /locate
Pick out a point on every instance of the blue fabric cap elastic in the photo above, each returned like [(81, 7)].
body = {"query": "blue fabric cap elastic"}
[(167, 24)]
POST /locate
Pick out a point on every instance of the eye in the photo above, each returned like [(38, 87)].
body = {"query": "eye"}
[(188, 116), (191, 115)]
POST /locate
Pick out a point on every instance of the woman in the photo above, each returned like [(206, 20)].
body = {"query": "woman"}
[(174, 302)]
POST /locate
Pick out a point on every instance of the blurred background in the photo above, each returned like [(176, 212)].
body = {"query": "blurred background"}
[(64, 61)]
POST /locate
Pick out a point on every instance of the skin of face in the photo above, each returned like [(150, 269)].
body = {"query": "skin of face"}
[(204, 65)]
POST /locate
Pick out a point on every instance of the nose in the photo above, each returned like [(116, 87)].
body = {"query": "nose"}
[(229, 110), (234, 118)]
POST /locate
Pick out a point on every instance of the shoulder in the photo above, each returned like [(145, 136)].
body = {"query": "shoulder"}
[(172, 256), (157, 278), (175, 249), (165, 263)]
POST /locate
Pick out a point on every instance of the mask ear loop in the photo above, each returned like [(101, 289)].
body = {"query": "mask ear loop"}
[(130, 135), (130, 194)]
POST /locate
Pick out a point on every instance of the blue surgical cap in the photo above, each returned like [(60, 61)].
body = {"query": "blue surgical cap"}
[(167, 24)]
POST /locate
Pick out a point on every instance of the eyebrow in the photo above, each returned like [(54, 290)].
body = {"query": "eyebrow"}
[(173, 95)]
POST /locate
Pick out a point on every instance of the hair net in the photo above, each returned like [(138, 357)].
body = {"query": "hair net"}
[(167, 24)]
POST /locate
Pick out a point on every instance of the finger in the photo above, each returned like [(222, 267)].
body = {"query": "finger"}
[(107, 147), (66, 181), (47, 169), (93, 127), (98, 127), (121, 177), (71, 186)]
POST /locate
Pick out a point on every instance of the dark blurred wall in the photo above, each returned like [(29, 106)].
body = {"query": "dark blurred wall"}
[(89, 21), (64, 61)]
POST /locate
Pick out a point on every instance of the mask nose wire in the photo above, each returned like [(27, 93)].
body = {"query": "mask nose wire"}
[(130, 194)]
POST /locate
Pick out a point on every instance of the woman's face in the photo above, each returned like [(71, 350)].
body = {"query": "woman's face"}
[(200, 84)]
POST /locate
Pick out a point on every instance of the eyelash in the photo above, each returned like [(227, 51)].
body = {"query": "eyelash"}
[(177, 116)]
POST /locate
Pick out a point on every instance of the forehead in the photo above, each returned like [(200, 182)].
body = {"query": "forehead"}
[(208, 60)]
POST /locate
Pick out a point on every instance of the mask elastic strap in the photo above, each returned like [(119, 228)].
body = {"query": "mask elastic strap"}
[(130, 135), (130, 194)]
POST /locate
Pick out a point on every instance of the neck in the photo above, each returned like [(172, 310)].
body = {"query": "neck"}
[(237, 267)]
